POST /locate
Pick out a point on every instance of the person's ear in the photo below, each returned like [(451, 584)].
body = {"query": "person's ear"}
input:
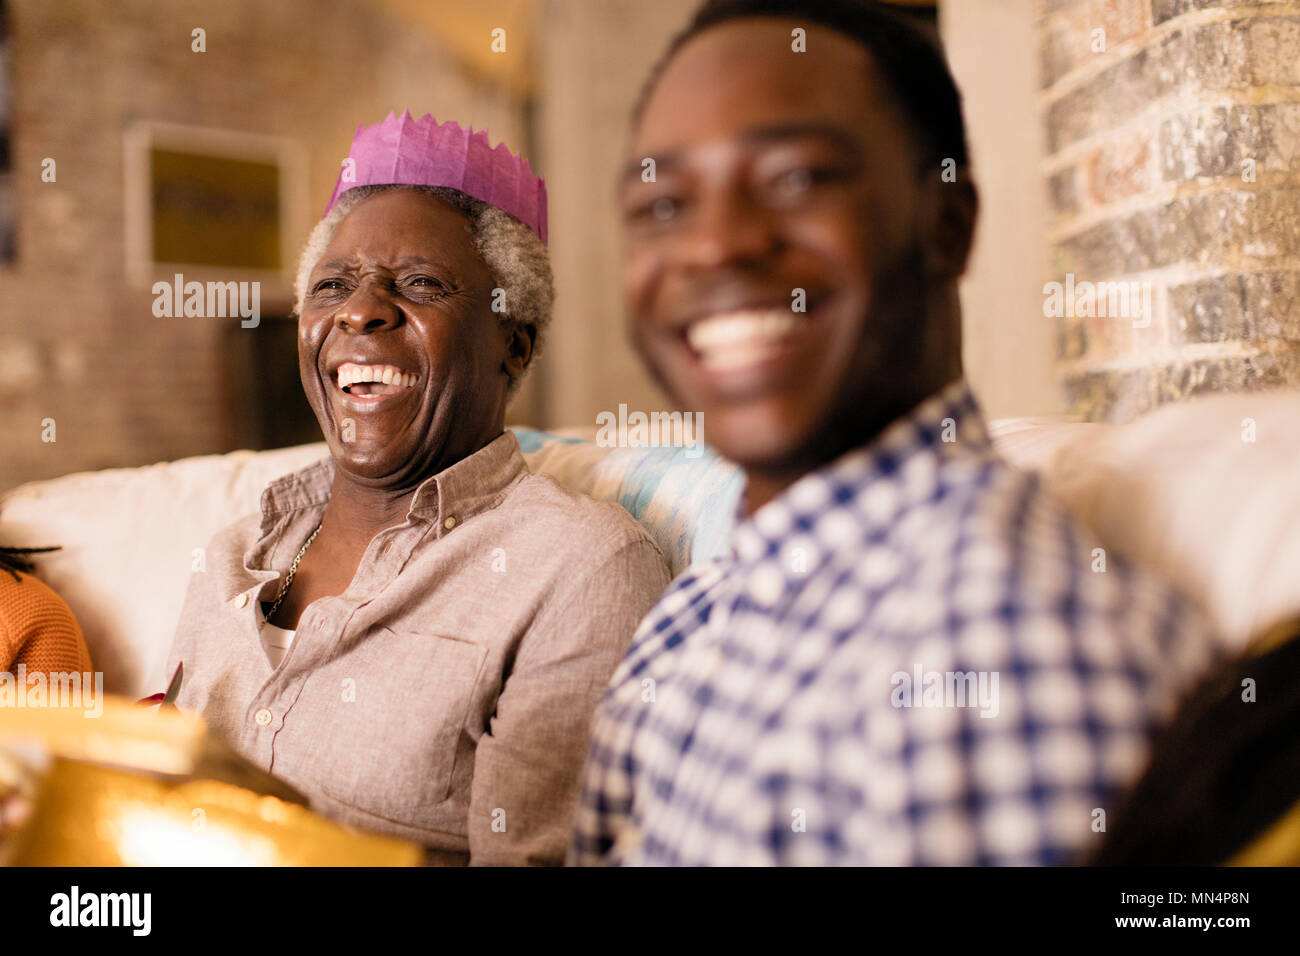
[(519, 349), (952, 210)]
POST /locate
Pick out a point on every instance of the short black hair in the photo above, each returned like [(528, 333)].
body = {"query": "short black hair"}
[(911, 62)]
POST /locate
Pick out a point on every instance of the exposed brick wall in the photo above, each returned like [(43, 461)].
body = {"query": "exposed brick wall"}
[(77, 343), (1174, 160)]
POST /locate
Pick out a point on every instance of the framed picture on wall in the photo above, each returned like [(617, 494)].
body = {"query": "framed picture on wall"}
[(211, 204)]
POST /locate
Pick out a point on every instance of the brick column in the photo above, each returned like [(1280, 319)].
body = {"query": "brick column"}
[(1173, 172)]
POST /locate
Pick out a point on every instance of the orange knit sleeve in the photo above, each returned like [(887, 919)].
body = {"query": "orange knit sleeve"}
[(38, 629)]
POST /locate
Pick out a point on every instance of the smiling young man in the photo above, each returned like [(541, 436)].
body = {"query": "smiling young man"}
[(414, 632), (907, 658)]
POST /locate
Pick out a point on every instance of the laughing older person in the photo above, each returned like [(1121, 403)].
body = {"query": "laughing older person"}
[(415, 631)]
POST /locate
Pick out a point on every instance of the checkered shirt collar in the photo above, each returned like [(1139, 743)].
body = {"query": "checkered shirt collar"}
[(876, 482)]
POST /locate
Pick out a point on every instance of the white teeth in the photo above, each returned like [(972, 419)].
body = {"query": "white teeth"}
[(350, 374), (736, 339)]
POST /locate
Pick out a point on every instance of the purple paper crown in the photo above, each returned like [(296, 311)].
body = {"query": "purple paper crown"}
[(410, 152)]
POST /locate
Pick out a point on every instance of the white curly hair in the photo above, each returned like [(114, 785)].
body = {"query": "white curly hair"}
[(513, 253)]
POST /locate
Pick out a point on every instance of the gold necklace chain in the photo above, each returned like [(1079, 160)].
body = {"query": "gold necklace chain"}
[(288, 578)]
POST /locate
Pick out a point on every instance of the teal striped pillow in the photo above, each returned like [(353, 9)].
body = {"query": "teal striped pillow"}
[(685, 497)]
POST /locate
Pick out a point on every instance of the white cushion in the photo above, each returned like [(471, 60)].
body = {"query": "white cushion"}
[(1181, 491)]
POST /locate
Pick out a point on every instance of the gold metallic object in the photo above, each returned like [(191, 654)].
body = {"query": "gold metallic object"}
[(97, 816), (293, 570), (113, 731), (135, 786), (1279, 845)]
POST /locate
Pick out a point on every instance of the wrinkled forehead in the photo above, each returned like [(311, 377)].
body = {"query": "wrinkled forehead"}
[(398, 226)]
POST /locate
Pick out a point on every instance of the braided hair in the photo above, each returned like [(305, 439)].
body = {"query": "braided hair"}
[(14, 560)]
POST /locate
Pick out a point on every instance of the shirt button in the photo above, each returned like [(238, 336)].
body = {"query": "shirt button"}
[(263, 717), (241, 600), (449, 523)]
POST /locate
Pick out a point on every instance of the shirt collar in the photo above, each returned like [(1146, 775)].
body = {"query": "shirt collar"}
[(875, 482), (476, 483)]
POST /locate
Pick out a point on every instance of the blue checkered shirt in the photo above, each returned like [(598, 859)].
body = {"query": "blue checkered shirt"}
[(912, 656)]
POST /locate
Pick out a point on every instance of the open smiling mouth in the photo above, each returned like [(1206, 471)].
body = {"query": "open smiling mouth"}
[(744, 338), (370, 384)]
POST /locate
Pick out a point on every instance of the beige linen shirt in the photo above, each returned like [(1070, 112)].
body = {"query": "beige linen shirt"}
[(446, 695)]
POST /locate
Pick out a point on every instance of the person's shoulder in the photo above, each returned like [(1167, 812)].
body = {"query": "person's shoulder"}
[(1004, 531), (987, 519), (29, 608), (237, 535), (575, 521), (26, 598), (688, 601), (1037, 526), (694, 588), (308, 486), (1012, 518), (1032, 571), (681, 610), (223, 554)]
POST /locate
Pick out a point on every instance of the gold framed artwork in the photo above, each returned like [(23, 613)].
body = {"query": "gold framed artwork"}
[(211, 204)]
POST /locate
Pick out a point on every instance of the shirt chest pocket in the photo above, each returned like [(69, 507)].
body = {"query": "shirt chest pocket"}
[(390, 740)]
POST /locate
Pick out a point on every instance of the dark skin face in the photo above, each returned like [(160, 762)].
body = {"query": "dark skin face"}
[(400, 285), (778, 171)]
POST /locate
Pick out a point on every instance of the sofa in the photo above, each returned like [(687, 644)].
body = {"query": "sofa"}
[(1206, 492)]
